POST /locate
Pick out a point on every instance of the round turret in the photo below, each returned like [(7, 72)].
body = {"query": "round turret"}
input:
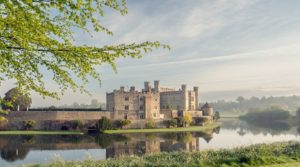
[(207, 110)]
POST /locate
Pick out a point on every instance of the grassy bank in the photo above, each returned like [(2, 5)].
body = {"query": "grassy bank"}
[(157, 130), (287, 153), (38, 132)]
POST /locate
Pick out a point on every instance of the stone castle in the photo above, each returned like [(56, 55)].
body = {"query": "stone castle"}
[(155, 103)]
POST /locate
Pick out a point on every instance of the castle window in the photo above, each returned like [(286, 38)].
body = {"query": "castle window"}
[(141, 99), (142, 116), (141, 108), (125, 116), (154, 115), (126, 107), (126, 98)]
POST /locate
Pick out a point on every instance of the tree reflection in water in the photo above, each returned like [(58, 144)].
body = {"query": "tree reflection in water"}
[(15, 148), (264, 127)]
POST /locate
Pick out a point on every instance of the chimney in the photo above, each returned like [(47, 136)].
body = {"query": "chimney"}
[(183, 87), (132, 89), (156, 86), (122, 88)]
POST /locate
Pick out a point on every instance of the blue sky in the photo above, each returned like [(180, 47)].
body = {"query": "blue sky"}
[(226, 47)]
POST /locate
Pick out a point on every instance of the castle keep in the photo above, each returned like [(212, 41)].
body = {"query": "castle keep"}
[(155, 103)]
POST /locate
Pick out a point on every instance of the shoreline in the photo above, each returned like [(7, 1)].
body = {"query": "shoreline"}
[(166, 130), (40, 132)]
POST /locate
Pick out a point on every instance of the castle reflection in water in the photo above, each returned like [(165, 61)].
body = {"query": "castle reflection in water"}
[(15, 148)]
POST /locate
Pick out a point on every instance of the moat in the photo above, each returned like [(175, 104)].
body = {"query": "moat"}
[(24, 149)]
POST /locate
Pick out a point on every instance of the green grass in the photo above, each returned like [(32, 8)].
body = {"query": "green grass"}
[(38, 132), (292, 164), (280, 154), (157, 130)]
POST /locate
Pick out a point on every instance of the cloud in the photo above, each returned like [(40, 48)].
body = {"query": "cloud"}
[(226, 47)]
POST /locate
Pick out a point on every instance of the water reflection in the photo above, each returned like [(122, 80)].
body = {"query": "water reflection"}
[(16, 150), (139, 144), (242, 127)]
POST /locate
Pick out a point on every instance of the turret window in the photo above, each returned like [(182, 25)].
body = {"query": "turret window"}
[(126, 98)]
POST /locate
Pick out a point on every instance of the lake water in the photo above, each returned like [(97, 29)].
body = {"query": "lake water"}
[(17, 150)]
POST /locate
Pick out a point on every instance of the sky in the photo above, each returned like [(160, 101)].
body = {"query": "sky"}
[(228, 48)]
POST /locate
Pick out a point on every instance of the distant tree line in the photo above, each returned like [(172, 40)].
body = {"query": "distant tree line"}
[(95, 104), (242, 105), (267, 115)]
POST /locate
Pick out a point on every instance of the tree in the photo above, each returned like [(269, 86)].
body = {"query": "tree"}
[(103, 124), (187, 119), (15, 99), (171, 123), (180, 121), (122, 123), (3, 122), (38, 35), (217, 115), (150, 124), (29, 124)]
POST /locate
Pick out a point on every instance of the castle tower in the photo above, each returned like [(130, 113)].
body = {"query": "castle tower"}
[(196, 89), (132, 89), (183, 87), (147, 86), (156, 86), (207, 110)]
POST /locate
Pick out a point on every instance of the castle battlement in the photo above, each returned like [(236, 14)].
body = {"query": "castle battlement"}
[(150, 101)]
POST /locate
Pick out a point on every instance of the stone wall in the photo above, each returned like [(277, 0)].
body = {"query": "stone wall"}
[(54, 120), (174, 100), (58, 115)]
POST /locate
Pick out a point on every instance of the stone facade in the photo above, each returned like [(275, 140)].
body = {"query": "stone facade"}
[(183, 99), (152, 103), (133, 104)]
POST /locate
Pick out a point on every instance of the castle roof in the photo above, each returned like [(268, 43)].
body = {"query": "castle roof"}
[(206, 105)]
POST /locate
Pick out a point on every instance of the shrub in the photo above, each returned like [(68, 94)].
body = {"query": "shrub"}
[(150, 124), (77, 124), (187, 119), (4, 112), (103, 124), (64, 127), (122, 123), (217, 115), (170, 123), (3, 122), (179, 121), (29, 124)]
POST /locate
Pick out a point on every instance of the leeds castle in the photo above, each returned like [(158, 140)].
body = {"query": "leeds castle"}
[(155, 103)]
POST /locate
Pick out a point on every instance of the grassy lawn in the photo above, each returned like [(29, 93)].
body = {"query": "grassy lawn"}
[(157, 130), (38, 132), (292, 164)]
